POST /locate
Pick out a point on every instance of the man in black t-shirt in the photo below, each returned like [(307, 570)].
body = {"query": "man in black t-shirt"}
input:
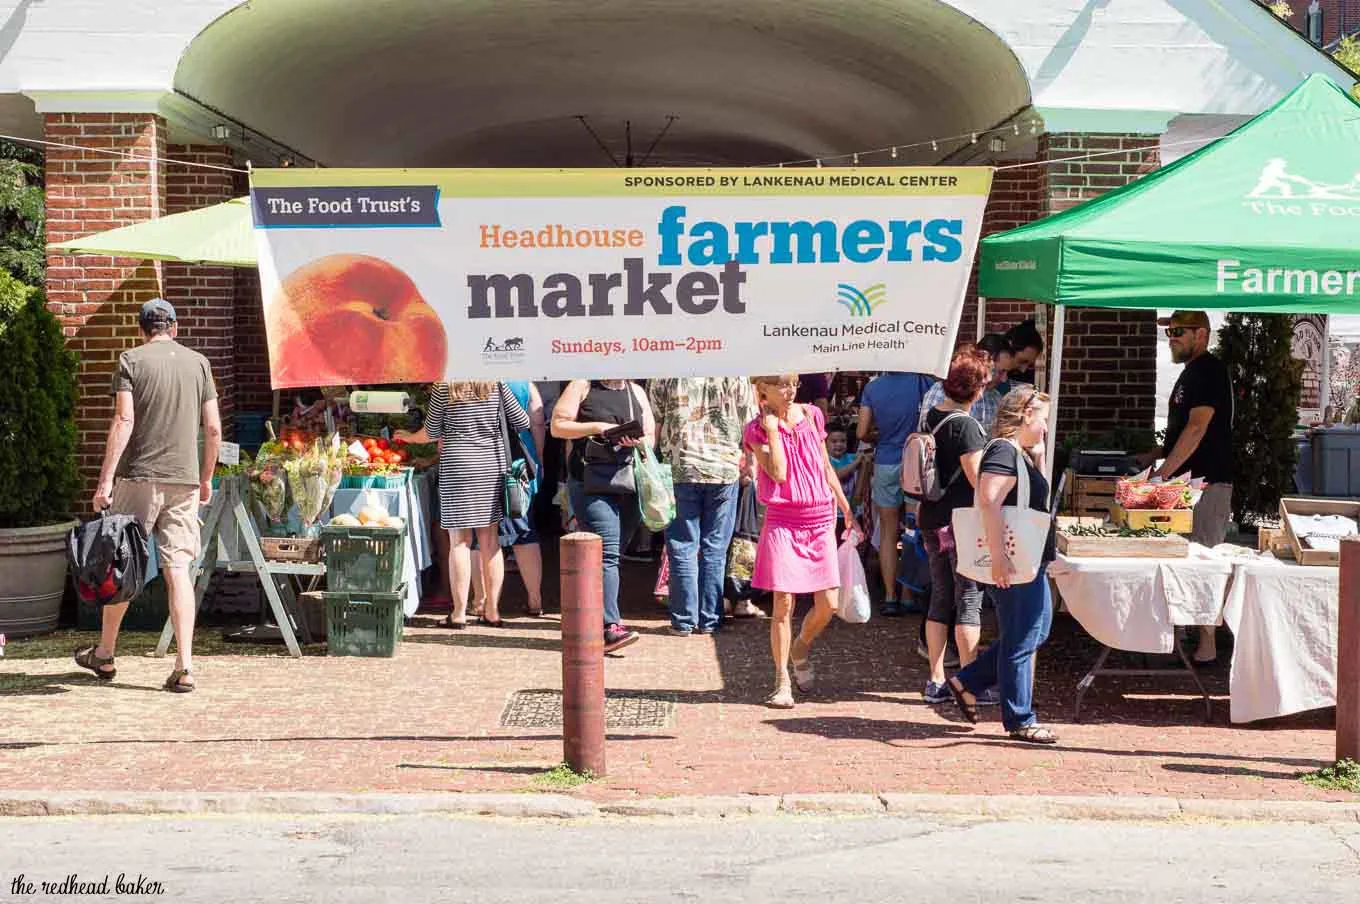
[(1199, 435)]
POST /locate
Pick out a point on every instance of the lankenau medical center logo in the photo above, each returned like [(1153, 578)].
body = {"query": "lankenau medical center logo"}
[(861, 303)]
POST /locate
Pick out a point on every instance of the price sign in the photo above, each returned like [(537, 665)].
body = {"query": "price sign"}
[(229, 454)]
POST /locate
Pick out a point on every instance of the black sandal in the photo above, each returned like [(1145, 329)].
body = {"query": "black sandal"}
[(1034, 734), (453, 625), (176, 683), (86, 659), (488, 623), (969, 710)]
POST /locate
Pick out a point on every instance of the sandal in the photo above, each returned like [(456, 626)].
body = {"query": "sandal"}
[(780, 699), (488, 623), (534, 613), (453, 625), (804, 675), (969, 710), (1034, 734), (176, 682), (86, 659)]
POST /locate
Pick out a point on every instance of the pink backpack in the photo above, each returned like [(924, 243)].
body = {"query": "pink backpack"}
[(920, 475)]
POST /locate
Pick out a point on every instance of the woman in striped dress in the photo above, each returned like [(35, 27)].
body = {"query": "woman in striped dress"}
[(465, 417)]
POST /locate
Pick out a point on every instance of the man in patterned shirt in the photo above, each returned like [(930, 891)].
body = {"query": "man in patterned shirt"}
[(699, 426)]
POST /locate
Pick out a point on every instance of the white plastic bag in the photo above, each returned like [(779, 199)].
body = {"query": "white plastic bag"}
[(855, 607)]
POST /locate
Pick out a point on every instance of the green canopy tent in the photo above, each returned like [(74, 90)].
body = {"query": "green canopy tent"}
[(219, 234), (1263, 220)]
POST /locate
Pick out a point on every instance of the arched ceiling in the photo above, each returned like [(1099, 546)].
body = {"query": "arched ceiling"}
[(499, 82)]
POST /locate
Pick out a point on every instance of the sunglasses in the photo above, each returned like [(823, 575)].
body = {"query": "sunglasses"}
[(1175, 332)]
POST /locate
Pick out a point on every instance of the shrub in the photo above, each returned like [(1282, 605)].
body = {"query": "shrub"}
[(38, 477)]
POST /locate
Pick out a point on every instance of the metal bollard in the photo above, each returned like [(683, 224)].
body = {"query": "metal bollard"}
[(1348, 654), (582, 566)]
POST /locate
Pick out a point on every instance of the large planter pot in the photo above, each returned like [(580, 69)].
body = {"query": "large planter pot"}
[(32, 578)]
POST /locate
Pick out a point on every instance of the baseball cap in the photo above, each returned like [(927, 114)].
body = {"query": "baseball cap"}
[(155, 311), (1193, 319)]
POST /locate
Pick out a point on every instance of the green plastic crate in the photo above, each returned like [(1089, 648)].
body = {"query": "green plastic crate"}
[(363, 624), (376, 481), (363, 559)]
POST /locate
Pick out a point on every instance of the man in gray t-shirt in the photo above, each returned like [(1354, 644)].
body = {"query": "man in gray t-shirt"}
[(163, 395)]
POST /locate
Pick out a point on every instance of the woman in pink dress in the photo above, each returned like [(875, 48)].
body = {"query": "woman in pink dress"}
[(797, 550)]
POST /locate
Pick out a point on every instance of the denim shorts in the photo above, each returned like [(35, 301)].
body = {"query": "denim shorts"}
[(887, 488)]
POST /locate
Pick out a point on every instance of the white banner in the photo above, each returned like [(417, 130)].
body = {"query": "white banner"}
[(395, 276)]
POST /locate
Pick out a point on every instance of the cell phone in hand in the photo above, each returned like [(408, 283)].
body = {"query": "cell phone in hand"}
[(628, 430)]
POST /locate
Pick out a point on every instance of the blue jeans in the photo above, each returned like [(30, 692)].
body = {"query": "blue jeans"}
[(1024, 613), (696, 543), (615, 519)]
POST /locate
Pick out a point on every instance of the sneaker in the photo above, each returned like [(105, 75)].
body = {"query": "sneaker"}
[(936, 692), (678, 631), (616, 637), (890, 609), (701, 631), (990, 697)]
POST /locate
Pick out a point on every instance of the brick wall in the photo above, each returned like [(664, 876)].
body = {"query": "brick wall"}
[(1110, 357), (97, 298), (204, 297)]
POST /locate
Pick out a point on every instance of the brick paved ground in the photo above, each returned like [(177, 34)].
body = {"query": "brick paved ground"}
[(429, 719)]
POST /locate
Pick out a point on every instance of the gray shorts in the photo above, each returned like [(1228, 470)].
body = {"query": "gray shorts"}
[(1212, 514)]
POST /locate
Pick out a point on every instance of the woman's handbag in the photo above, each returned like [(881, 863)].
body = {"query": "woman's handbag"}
[(608, 468), (518, 477), (1026, 533)]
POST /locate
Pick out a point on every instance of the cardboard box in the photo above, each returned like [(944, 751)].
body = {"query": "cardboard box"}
[(1304, 554)]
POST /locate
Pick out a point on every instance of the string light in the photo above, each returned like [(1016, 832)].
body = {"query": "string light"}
[(894, 153), (854, 160), (1017, 127), (935, 146), (973, 139), (819, 163)]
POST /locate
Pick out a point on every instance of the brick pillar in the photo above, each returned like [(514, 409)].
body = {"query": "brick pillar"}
[(253, 391), (1015, 200), (204, 297), (1110, 361), (97, 298)]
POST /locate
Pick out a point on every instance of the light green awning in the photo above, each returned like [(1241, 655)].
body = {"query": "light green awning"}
[(221, 234)]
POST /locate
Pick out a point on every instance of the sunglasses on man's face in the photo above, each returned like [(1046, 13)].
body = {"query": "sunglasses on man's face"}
[(1175, 332)]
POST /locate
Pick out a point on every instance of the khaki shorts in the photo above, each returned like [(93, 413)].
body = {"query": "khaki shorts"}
[(1212, 514), (168, 511)]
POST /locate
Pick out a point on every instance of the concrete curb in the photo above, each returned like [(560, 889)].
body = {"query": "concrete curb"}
[(559, 806)]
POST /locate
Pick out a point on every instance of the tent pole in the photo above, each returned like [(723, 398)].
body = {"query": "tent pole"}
[(1054, 384), (1325, 390), (981, 318)]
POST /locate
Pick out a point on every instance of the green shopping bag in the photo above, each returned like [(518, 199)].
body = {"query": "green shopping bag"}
[(655, 489)]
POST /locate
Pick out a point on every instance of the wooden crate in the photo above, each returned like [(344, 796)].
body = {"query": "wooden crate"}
[(291, 549), (1178, 521), (1275, 541), (1168, 547), (1089, 497), (1306, 555)]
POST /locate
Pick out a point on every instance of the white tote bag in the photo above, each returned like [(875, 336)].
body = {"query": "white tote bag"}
[(855, 606), (1026, 532)]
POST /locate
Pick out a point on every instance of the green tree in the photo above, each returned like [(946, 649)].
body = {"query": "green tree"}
[(23, 245), (38, 478), (1267, 381)]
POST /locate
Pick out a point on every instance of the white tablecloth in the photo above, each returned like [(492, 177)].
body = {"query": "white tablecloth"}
[(1136, 604), (1284, 622)]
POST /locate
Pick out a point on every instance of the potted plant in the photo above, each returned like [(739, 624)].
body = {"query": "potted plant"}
[(38, 478)]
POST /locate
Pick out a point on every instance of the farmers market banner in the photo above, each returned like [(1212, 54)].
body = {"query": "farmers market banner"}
[(405, 276)]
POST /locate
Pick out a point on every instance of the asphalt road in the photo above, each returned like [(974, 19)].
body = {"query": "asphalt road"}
[(787, 860)]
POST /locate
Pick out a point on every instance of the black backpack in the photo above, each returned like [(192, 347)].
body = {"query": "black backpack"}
[(109, 559)]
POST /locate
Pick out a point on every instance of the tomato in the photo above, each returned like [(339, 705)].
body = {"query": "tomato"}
[(384, 445)]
